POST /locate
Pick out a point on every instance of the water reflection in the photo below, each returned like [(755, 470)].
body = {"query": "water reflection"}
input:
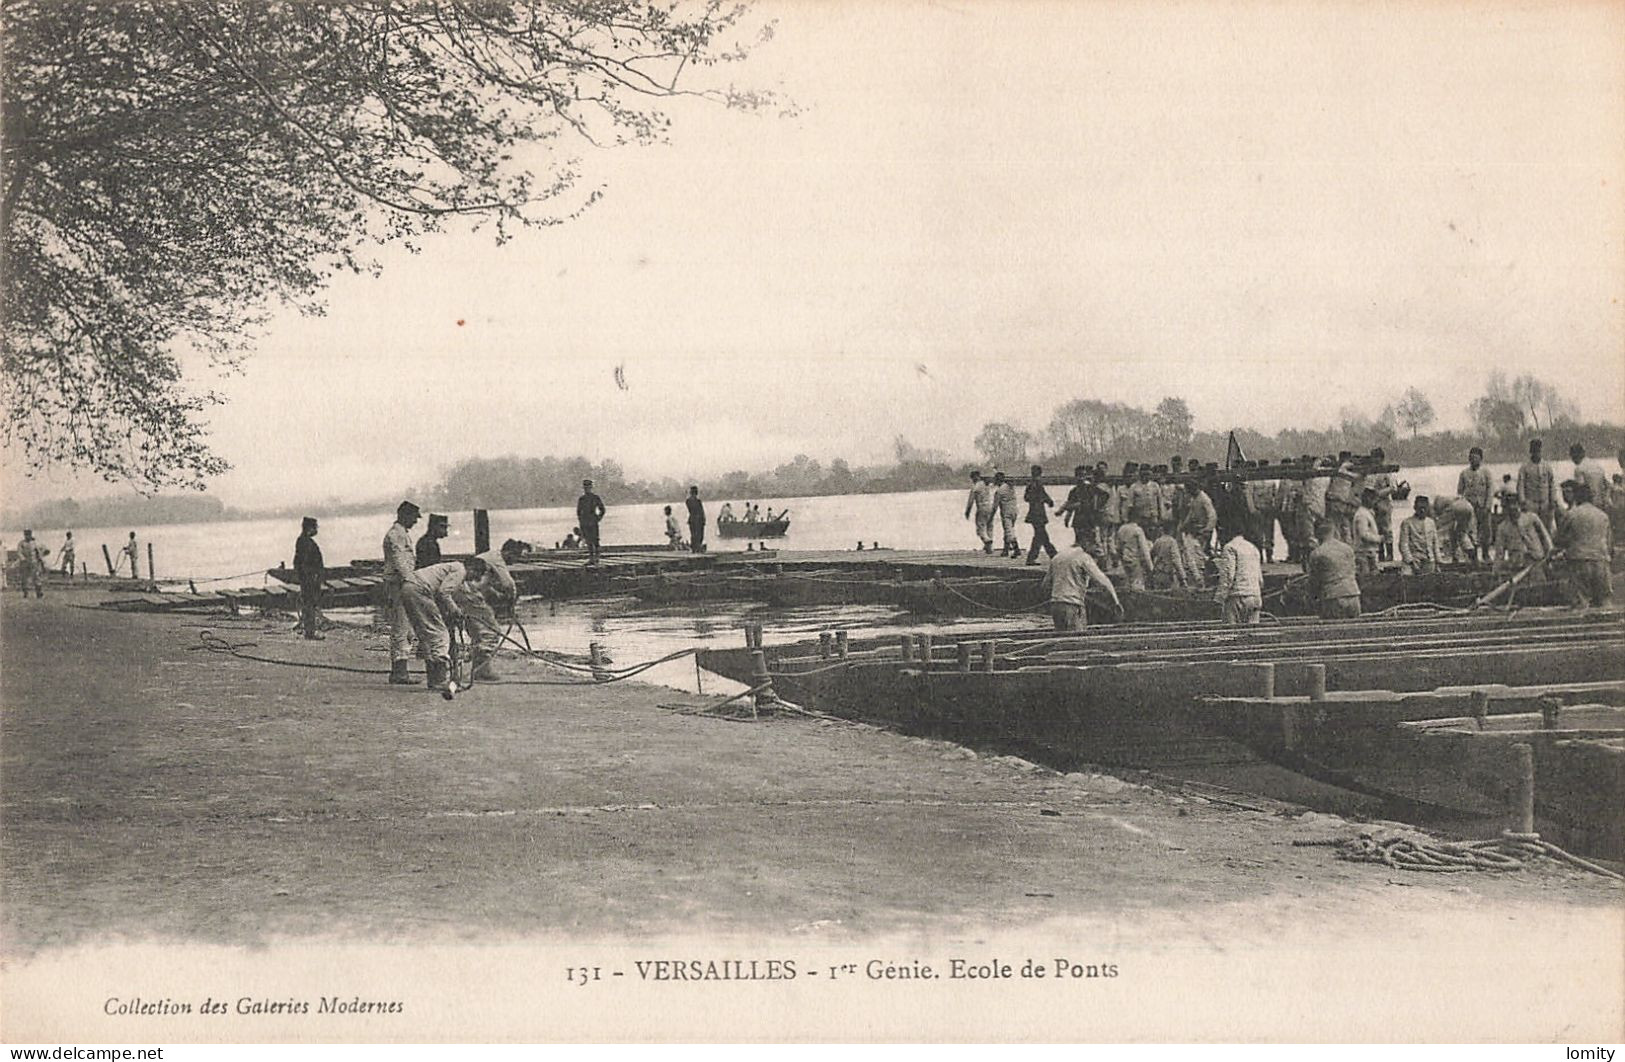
[(631, 633)]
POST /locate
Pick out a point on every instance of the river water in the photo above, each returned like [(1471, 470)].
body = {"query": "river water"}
[(236, 553)]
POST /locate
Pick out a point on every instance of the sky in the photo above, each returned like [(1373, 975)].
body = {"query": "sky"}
[(980, 211)]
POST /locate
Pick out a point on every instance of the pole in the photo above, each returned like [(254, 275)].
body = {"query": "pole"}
[(840, 644), (152, 572), (108, 557), (1523, 793), (596, 651), (482, 531), (761, 680), (1317, 681), (964, 656), (988, 653)]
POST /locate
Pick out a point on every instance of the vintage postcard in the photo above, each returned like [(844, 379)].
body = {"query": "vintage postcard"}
[(824, 521)]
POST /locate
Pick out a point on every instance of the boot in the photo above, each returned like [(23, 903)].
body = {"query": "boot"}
[(439, 673), (398, 675), (484, 670), (987, 547)]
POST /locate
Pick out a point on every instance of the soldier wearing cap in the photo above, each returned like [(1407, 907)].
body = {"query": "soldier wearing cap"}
[(399, 564), (307, 564), (30, 565), (427, 551), (589, 511)]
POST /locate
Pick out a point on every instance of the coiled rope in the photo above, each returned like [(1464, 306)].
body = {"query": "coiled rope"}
[(1510, 851)]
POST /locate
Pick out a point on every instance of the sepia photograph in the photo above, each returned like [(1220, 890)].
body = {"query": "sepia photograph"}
[(812, 521)]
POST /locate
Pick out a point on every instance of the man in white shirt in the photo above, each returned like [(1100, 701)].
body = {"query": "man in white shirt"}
[(1367, 538), (1069, 575), (399, 563), (1004, 499), (30, 565), (1240, 592), (1587, 471), (980, 502), (430, 598), (1537, 487), (487, 583)]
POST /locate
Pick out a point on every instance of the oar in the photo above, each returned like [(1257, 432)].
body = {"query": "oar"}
[(1508, 585)]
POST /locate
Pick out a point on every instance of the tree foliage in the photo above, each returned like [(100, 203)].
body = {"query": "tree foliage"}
[(173, 169), (1509, 409), (1003, 446), (1414, 411), (1173, 423)]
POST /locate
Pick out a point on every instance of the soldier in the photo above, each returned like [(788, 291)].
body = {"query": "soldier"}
[(399, 563), (30, 565), (1038, 505), (1082, 509), (429, 597), (1196, 532), (1383, 484), (589, 512), (1474, 484), (1583, 542), (486, 586), (1367, 539), (1143, 500), (980, 502), (1332, 578), (66, 559), (1520, 538), (1263, 500), (307, 565), (132, 549), (1591, 474), (1066, 580), (1136, 554), (427, 551), (696, 520), (1240, 592), (1537, 487), (1004, 496), (1167, 561), (1419, 540)]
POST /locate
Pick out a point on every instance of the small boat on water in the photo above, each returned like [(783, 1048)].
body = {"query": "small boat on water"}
[(774, 528)]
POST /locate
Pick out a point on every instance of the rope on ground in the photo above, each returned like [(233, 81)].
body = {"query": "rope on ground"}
[(1510, 851), (711, 709), (213, 643)]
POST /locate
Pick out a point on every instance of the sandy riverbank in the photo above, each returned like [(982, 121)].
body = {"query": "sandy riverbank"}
[(155, 794)]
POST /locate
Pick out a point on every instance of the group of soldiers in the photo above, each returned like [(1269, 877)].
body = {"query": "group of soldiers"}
[(32, 564), (1182, 526), (1525, 524), (424, 597)]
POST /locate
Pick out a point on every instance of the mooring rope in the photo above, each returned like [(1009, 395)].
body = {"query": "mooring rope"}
[(1510, 851), (213, 643)]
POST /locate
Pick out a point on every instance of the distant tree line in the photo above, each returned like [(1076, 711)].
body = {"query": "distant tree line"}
[(1505, 417), (1081, 430), (541, 482)]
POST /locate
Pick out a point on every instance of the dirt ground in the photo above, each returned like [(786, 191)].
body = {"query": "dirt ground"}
[(153, 792)]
